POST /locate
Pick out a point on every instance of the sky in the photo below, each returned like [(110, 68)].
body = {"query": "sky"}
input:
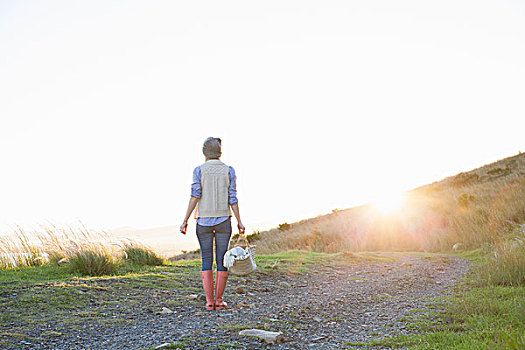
[(104, 105)]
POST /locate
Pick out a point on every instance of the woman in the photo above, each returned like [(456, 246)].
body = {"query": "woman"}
[(214, 190)]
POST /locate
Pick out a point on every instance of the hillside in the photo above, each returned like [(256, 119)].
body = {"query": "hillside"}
[(472, 208)]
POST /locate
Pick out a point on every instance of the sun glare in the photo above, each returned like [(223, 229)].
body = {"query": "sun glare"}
[(389, 203)]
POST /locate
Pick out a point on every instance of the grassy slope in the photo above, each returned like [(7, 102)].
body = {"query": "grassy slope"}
[(473, 208)]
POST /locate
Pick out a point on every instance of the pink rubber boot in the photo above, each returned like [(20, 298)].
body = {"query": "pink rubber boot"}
[(207, 284), (221, 277)]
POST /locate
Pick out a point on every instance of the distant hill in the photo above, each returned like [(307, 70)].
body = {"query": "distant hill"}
[(166, 240), (472, 208)]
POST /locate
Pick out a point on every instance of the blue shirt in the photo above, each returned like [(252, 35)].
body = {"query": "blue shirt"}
[(232, 195)]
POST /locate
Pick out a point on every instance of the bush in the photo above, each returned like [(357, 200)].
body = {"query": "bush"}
[(94, 262), (499, 172), (142, 256), (463, 179), (285, 226)]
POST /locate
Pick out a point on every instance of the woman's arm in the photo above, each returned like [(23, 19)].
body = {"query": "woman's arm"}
[(235, 209), (232, 195), (191, 207), (194, 199)]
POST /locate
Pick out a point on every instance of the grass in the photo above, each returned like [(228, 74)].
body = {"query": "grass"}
[(29, 276), (141, 255), (85, 251), (93, 262), (298, 261), (506, 265), (20, 251)]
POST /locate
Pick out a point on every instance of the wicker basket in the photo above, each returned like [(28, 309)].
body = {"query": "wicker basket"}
[(245, 266)]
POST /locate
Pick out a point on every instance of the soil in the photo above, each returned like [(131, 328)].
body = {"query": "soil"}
[(323, 307)]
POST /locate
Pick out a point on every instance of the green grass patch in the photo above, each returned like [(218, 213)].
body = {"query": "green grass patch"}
[(298, 261), (31, 275), (476, 256)]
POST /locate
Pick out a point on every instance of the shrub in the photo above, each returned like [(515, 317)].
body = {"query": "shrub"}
[(93, 262), (285, 226), (495, 171), (499, 171), (463, 179), (142, 255)]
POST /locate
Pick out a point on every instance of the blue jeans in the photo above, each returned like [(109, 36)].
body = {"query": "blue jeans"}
[(205, 234)]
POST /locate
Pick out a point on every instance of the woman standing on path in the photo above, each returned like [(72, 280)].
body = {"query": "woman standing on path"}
[(214, 190)]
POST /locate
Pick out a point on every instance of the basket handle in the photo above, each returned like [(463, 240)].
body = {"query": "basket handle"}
[(239, 238)]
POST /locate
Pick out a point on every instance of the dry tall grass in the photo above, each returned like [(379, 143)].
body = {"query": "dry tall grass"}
[(21, 250), (87, 251)]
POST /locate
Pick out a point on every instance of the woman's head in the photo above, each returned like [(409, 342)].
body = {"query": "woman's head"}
[(212, 148)]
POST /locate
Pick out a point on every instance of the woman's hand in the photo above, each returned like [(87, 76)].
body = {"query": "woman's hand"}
[(191, 206), (183, 227), (241, 228), (235, 209)]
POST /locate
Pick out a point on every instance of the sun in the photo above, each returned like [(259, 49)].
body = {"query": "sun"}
[(389, 202)]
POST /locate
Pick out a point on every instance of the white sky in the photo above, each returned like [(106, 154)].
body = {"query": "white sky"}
[(104, 105)]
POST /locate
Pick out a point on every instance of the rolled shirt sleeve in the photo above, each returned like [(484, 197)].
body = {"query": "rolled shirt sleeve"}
[(196, 184), (232, 190)]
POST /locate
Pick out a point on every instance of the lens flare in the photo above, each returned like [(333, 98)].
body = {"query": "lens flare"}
[(389, 202)]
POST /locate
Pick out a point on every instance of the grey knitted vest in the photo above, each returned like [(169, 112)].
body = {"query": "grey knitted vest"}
[(215, 183)]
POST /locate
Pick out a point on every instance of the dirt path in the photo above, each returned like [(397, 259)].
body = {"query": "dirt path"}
[(319, 309)]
